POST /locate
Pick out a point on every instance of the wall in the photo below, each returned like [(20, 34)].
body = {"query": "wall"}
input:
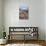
[(36, 15), (45, 19), (0, 18)]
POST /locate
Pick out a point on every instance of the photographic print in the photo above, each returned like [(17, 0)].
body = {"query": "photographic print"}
[(23, 12)]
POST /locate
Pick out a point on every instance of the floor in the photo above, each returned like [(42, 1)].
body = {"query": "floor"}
[(21, 45), (25, 43)]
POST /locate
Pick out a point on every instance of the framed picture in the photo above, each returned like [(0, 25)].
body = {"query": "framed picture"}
[(23, 12)]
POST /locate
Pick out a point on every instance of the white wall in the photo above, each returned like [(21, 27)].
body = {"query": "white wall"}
[(36, 15), (45, 19)]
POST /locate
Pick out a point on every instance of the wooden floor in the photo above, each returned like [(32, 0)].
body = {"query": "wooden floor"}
[(39, 42)]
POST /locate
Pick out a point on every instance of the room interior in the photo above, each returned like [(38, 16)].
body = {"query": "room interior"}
[(18, 30)]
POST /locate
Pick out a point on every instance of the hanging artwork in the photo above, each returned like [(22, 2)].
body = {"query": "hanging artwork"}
[(23, 12)]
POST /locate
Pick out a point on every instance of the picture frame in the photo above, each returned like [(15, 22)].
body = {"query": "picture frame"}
[(23, 12)]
